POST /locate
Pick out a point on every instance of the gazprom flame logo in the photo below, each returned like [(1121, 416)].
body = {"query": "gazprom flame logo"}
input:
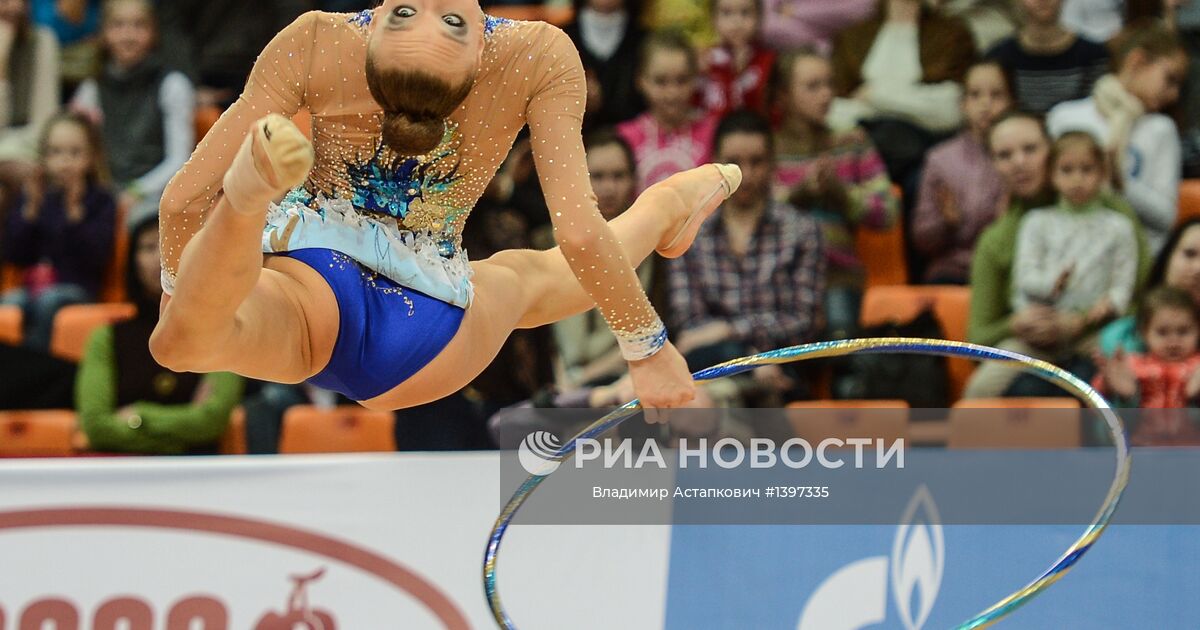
[(537, 453), (856, 595)]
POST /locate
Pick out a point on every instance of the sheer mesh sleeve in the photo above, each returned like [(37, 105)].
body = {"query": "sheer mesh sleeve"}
[(555, 115), (277, 84)]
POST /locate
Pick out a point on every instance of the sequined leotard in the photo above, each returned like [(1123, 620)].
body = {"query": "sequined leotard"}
[(402, 216)]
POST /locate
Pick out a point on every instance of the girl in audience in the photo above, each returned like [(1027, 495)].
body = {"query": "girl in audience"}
[(1123, 112), (1049, 63), (1164, 378), (1079, 255), (145, 110), (609, 36), (672, 136), (1164, 375), (838, 177), (29, 88), (738, 68), (61, 227), (127, 402), (1177, 267), (961, 193), (1020, 149)]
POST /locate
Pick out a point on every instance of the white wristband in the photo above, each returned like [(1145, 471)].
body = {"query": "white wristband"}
[(642, 343)]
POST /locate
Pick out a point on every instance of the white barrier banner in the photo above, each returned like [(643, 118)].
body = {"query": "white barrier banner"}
[(300, 543)]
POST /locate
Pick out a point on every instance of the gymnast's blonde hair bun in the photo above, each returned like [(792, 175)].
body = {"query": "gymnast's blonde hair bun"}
[(408, 136)]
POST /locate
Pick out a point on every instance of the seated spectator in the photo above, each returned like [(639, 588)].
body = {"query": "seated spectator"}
[(736, 69), (1124, 113), (216, 43), (1048, 63), (1183, 19), (1166, 376), (906, 62), (61, 227), (1020, 149), (792, 24), (1078, 256), (76, 24), (587, 350), (1163, 375), (961, 193), (838, 178), (899, 74), (608, 36), (128, 403), (1177, 267), (754, 278), (145, 110), (1097, 20), (29, 88), (672, 136)]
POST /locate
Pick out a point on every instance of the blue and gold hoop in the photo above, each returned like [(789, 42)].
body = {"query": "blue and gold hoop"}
[(1049, 372)]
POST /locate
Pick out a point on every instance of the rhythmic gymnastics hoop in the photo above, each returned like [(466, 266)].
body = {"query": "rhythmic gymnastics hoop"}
[(1050, 373)]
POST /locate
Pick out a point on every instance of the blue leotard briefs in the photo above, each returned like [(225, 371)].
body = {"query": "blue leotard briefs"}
[(386, 333)]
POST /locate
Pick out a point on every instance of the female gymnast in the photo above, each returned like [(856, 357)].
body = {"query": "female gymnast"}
[(357, 282)]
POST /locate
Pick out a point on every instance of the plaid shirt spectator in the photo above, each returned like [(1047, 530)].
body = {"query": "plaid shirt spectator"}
[(772, 297)]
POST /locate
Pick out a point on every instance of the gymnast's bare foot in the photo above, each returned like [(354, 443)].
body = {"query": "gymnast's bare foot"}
[(702, 190), (275, 158)]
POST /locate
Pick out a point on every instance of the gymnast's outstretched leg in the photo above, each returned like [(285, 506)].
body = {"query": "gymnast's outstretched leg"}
[(526, 288), (228, 312)]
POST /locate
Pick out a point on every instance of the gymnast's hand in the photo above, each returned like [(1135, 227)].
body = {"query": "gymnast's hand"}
[(662, 381)]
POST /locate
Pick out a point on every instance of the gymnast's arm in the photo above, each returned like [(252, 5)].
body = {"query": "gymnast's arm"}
[(555, 116), (277, 84)]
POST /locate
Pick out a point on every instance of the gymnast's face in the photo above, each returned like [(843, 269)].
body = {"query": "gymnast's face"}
[(440, 36)]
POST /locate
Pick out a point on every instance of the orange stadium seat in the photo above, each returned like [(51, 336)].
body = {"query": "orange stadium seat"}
[(234, 440), (951, 306), (1015, 423), (206, 117), (342, 429), (37, 433), (10, 325), (1189, 200), (876, 419), (74, 324), (113, 290), (882, 252), (882, 255), (10, 277)]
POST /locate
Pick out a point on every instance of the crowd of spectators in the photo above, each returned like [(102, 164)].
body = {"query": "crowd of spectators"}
[(1032, 150)]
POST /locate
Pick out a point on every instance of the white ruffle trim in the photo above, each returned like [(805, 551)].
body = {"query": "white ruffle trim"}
[(411, 259)]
